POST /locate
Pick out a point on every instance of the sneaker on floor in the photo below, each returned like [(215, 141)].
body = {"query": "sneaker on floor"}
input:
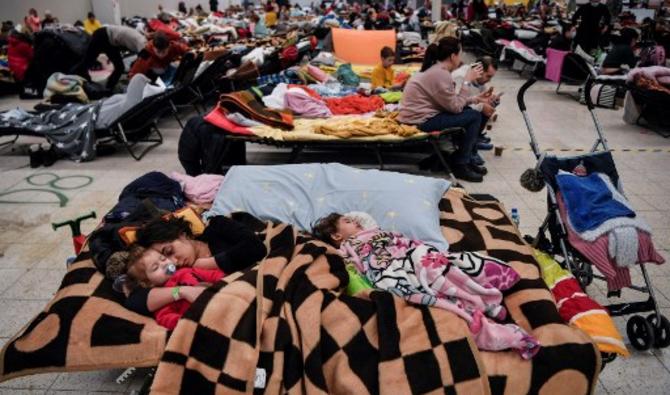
[(484, 146), (465, 173)]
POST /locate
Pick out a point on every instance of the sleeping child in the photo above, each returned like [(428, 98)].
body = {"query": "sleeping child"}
[(148, 268), (468, 284)]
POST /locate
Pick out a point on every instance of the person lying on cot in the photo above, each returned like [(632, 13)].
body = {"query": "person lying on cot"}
[(148, 268), (467, 284), (226, 245), (382, 75)]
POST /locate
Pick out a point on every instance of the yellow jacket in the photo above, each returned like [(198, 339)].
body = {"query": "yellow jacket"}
[(381, 77), (90, 27)]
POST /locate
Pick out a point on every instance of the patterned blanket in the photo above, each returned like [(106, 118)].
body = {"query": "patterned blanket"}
[(422, 274), (86, 328)]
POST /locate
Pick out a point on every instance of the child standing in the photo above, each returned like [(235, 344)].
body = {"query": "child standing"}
[(148, 268), (383, 75), (467, 284)]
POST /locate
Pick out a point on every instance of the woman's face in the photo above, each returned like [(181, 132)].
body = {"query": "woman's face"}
[(155, 267), (181, 251)]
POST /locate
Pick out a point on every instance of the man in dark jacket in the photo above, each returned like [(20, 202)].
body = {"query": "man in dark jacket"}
[(595, 20)]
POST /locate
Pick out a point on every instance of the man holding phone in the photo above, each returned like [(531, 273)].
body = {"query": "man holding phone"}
[(488, 68)]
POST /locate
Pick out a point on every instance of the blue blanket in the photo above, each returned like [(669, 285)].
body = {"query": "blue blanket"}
[(591, 200)]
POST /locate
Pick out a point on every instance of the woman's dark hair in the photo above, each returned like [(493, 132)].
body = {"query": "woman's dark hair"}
[(628, 34), (440, 51), (325, 227), (163, 230)]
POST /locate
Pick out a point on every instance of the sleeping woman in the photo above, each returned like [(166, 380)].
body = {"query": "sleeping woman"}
[(226, 245), (467, 284)]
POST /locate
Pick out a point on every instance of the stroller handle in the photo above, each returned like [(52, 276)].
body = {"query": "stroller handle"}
[(522, 91), (587, 92)]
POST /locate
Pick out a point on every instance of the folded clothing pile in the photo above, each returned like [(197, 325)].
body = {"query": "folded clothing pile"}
[(375, 126)]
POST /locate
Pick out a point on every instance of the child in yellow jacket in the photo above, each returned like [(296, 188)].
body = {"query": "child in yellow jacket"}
[(383, 75)]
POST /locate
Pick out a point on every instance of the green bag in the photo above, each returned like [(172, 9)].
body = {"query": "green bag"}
[(345, 74)]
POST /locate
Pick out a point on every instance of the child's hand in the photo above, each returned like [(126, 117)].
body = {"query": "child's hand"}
[(190, 293)]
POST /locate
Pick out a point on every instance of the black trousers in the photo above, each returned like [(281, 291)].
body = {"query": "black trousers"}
[(100, 44), (203, 148)]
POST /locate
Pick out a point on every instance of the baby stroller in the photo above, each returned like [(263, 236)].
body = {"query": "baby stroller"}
[(643, 333)]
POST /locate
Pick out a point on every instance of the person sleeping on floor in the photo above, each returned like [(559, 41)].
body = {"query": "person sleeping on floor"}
[(147, 268), (225, 246), (468, 284)]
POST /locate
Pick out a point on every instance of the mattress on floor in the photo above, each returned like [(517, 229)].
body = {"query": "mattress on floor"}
[(86, 327)]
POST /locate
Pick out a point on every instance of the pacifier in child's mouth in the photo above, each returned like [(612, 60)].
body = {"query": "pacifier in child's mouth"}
[(170, 269)]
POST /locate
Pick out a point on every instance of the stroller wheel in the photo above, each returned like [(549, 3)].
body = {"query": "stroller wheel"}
[(584, 272), (640, 333), (661, 332)]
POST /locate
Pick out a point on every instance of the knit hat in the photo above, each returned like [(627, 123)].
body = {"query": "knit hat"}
[(116, 264)]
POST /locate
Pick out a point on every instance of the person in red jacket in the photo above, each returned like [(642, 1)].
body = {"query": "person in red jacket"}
[(19, 54), (148, 268), (154, 60)]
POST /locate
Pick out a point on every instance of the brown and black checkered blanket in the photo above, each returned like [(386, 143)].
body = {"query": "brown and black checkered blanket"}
[(313, 338)]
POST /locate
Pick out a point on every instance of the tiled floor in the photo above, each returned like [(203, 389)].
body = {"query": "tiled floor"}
[(32, 255)]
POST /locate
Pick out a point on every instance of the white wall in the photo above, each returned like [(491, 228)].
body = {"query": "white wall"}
[(67, 11), (148, 8)]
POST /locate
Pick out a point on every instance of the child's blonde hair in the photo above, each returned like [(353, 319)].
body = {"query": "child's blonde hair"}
[(136, 267)]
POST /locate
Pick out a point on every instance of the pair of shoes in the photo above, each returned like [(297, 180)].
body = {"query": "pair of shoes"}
[(484, 146), (39, 156), (477, 160), (466, 173), (479, 169)]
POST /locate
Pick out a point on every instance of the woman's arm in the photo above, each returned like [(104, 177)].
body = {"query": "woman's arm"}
[(244, 247)]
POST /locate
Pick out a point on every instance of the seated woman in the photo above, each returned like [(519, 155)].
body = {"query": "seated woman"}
[(431, 102), (225, 244), (621, 57), (467, 284)]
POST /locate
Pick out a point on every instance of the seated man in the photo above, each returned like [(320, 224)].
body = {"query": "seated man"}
[(476, 88), (154, 61), (621, 57)]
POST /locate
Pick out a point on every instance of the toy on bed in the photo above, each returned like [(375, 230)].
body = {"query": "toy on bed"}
[(305, 332)]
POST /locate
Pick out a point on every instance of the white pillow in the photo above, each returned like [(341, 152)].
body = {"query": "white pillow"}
[(301, 194)]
